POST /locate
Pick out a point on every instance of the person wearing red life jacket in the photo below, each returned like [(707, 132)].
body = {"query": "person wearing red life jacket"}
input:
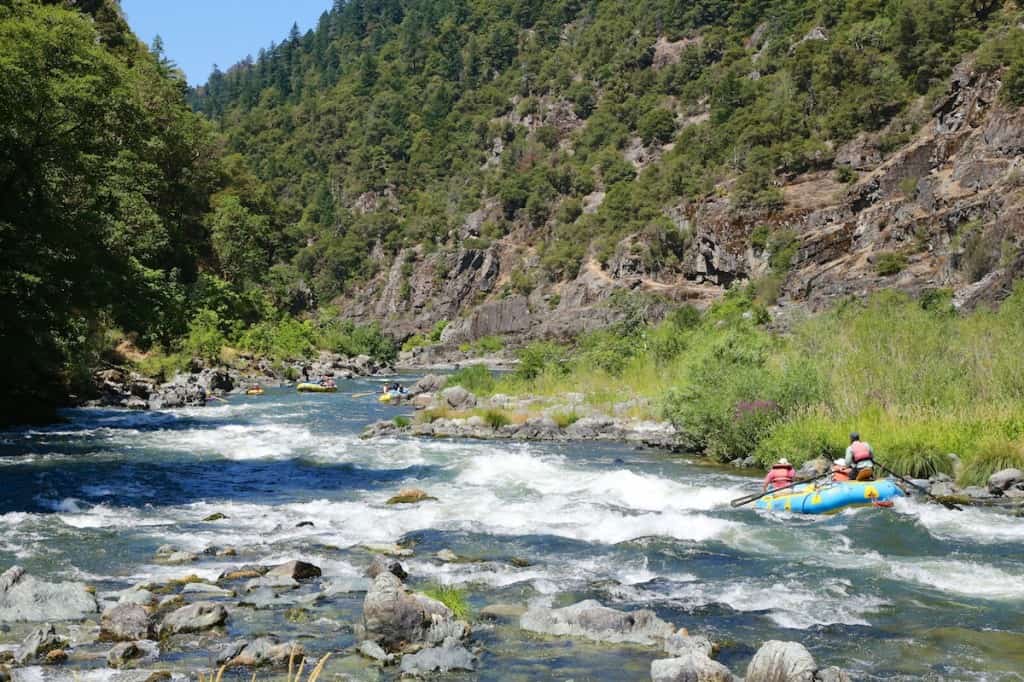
[(780, 475), (860, 457), (840, 472)]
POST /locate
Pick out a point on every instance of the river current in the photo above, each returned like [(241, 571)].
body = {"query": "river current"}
[(915, 592)]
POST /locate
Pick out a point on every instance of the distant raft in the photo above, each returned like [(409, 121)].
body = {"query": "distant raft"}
[(832, 497), (254, 391), (315, 388)]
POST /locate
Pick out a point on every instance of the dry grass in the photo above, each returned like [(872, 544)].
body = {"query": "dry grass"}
[(293, 675)]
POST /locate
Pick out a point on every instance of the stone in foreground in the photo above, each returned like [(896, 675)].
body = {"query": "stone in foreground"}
[(39, 643), (590, 620), (296, 570), (126, 623), (194, 618), (26, 599), (779, 661), (449, 657)]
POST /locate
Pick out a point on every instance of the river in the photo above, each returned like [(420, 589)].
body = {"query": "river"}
[(916, 592)]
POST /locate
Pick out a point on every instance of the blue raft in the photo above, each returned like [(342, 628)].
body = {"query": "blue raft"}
[(832, 497)]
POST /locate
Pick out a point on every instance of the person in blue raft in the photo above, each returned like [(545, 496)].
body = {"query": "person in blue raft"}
[(860, 459)]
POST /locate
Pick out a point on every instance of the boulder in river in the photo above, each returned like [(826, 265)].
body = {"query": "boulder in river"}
[(779, 661), (381, 564), (691, 667), (1002, 481), (126, 654), (273, 582), (194, 618), (38, 644), (126, 623), (295, 570), (430, 383), (449, 657), (26, 599), (375, 652), (262, 651), (458, 398), (831, 674), (590, 620), (394, 617)]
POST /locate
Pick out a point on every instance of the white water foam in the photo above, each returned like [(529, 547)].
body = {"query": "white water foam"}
[(971, 524)]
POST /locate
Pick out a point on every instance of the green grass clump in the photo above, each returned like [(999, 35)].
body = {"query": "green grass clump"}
[(452, 597), (475, 379), (565, 419), (994, 454), (496, 419), (402, 421)]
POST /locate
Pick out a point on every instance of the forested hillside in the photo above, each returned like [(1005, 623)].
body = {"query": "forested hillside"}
[(404, 144), (459, 169)]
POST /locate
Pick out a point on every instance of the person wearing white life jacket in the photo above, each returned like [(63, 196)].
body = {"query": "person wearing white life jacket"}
[(860, 458)]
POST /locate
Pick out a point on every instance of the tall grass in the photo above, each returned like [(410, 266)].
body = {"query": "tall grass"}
[(452, 597), (914, 378)]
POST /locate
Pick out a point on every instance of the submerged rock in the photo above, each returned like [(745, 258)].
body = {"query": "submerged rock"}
[(591, 620), (207, 589), (831, 674), (295, 570), (126, 623), (502, 612), (779, 661), (375, 652), (194, 618), (26, 599), (39, 643), (216, 516), (410, 496), (449, 657), (273, 582)]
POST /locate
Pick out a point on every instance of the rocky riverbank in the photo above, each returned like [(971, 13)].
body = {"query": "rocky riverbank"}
[(453, 412), (140, 629), (127, 388)]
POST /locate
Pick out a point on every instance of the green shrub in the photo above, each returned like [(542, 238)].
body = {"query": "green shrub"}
[(541, 356), (657, 126), (565, 419), (890, 263), (846, 175), (415, 341), (915, 458), (205, 338), (488, 344), (348, 338), (496, 419), (401, 421), (474, 378), (452, 597), (284, 340)]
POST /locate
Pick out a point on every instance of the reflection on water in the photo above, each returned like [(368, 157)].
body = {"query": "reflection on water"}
[(92, 499)]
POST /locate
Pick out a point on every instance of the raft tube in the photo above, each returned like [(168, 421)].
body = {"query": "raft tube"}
[(254, 391), (389, 396), (315, 388), (832, 497)]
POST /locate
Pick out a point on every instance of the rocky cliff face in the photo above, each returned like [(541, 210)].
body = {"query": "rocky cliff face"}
[(944, 211)]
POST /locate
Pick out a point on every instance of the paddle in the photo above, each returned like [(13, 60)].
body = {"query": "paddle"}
[(216, 397), (363, 395), (944, 503), (740, 501)]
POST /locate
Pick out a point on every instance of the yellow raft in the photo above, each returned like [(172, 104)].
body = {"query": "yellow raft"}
[(315, 388), (254, 391)]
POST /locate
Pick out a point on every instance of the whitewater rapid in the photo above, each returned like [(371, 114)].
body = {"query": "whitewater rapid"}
[(91, 500)]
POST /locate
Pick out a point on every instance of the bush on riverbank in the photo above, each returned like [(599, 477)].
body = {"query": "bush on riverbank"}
[(916, 379)]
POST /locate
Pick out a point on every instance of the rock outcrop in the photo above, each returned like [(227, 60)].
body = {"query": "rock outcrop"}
[(39, 644), (779, 661), (260, 652)]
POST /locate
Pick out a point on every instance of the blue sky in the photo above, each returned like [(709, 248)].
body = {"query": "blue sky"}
[(200, 33)]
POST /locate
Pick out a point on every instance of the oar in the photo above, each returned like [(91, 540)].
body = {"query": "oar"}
[(363, 395), (216, 397), (740, 501), (944, 503)]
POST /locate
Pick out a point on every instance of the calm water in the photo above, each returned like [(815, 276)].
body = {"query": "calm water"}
[(917, 592)]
